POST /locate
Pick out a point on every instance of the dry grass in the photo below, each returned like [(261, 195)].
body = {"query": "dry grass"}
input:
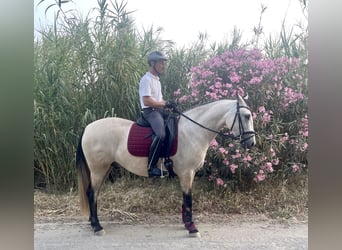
[(132, 200)]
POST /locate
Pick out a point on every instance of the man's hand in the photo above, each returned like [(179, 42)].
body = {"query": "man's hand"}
[(171, 105)]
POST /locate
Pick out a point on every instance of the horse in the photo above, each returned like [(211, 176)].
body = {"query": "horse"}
[(104, 142)]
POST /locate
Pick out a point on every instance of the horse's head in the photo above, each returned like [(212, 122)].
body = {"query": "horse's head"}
[(242, 124)]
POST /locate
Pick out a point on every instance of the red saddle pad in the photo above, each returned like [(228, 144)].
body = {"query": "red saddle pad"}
[(140, 139)]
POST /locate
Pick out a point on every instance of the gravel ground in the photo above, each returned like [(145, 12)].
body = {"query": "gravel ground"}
[(145, 232)]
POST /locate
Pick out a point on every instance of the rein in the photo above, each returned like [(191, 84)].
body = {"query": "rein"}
[(237, 115), (209, 129)]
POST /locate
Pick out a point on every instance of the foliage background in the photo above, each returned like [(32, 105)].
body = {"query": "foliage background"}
[(86, 69)]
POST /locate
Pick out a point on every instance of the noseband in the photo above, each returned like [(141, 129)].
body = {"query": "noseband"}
[(242, 132)]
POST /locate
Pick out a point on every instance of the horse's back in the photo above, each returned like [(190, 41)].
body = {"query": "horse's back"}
[(105, 126), (104, 136)]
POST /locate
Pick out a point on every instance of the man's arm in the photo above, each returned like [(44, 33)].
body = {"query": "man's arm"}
[(149, 101)]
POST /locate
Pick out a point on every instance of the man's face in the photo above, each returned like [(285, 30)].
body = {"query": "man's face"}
[(160, 66)]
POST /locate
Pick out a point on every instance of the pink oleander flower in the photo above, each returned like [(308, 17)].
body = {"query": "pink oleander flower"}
[(237, 155), (177, 92), (183, 99), (266, 117), (275, 162), (195, 93), (224, 92), (223, 150), (219, 182), (225, 162), (268, 166), (272, 152), (229, 85), (262, 109), (305, 146), (247, 158), (213, 143), (235, 78), (260, 176), (218, 85), (295, 168), (255, 80), (233, 167), (213, 96)]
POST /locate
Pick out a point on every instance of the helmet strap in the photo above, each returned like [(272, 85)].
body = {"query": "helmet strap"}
[(154, 68)]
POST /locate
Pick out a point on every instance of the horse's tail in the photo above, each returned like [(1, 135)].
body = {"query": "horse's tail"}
[(83, 178)]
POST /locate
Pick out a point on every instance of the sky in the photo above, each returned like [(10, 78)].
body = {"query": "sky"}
[(183, 20)]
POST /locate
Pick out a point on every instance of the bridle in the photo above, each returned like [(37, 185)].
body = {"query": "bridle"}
[(243, 135)]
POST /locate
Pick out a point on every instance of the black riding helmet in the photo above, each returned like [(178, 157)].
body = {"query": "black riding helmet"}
[(155, 56)]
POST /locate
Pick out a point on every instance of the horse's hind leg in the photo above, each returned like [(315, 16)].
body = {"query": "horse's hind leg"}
[(93, 193), (93, 218)]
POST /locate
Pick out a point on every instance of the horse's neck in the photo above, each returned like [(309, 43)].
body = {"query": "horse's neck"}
[(212, 116)]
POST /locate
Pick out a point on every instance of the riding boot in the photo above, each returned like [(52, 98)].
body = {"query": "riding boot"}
[(153, 157)]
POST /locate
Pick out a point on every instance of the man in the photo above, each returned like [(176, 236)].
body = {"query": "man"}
[(152, 103)]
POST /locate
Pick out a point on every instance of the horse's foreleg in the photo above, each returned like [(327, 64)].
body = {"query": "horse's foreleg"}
[(187, 213), (186, 180)]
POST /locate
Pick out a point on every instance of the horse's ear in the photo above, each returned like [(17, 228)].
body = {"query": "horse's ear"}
[(240, 99)]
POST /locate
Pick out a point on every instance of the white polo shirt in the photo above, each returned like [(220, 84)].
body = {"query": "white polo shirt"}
[(149, 85)]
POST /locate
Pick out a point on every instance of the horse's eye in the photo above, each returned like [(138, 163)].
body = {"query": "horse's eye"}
[(248, 116)]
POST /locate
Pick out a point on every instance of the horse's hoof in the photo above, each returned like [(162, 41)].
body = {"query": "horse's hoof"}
[(195, 235), (193, 231), (100, 232)]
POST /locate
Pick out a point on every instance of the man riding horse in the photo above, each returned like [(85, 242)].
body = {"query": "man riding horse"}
[(152, 104)]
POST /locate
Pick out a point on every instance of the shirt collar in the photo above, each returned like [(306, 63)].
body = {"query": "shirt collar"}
[(153, 76)]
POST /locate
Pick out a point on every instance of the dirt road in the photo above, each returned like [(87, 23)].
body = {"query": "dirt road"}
[(235, 232)]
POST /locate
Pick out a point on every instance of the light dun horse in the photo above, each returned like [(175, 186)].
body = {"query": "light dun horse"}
[(105, 141)]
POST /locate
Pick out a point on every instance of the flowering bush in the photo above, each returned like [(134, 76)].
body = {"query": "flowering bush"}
[(277, 93)]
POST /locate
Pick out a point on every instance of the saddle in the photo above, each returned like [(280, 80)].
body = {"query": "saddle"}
[(140, 137)]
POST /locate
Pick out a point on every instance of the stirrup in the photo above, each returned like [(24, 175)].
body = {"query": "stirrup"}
[(156, 172)]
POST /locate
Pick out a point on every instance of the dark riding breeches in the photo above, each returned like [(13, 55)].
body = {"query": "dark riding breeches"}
[(155, 117)]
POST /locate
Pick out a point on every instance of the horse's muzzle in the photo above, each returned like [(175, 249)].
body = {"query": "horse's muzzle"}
[(248, 142)]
